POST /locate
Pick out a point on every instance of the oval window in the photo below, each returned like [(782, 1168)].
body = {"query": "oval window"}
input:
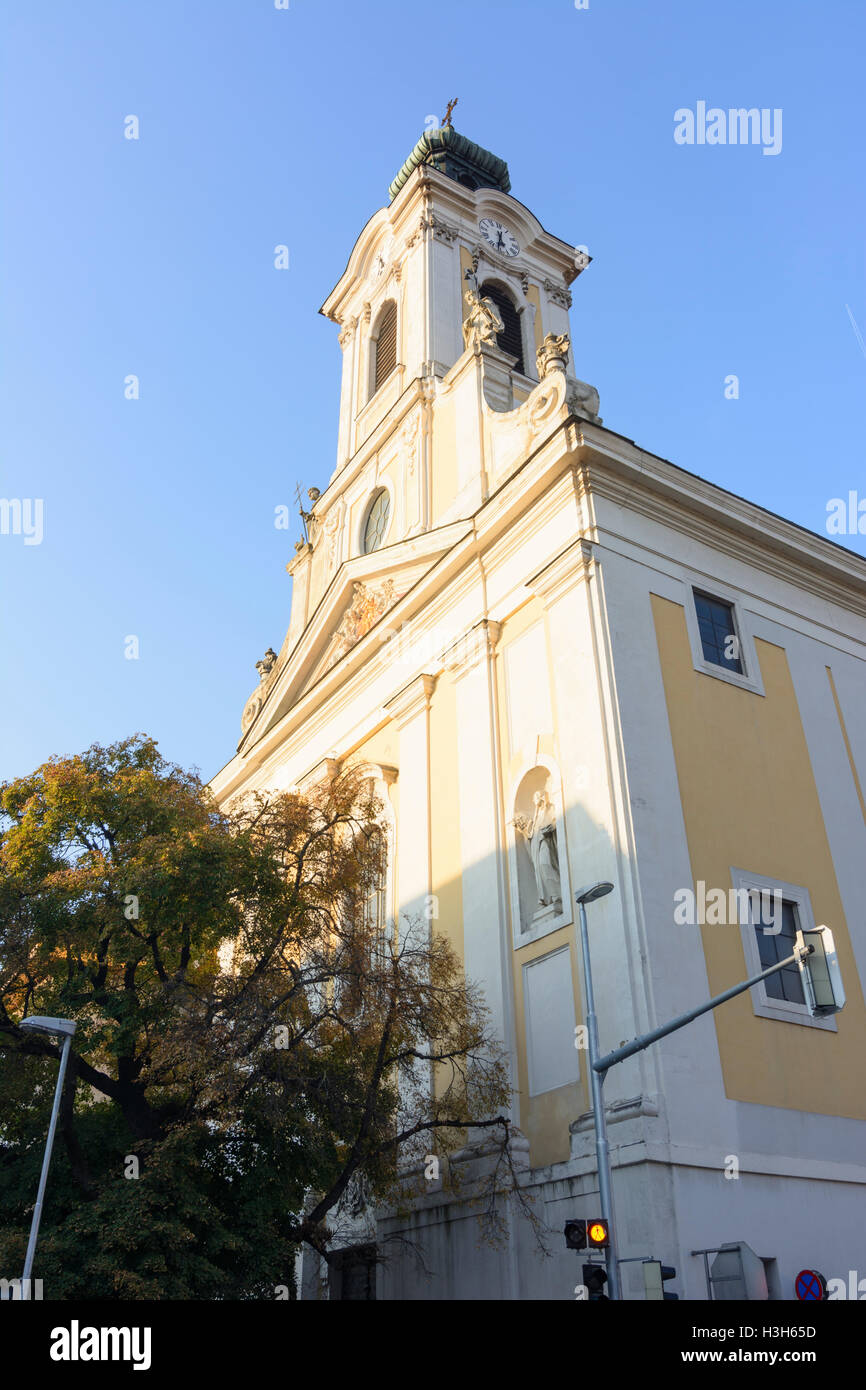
[(377, 521)]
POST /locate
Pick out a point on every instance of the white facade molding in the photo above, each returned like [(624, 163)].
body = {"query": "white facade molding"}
[(573, 566), (476, 644), (412, 699), (750, 677)]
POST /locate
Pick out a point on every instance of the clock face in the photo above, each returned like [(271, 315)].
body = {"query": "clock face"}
[(499, 236)]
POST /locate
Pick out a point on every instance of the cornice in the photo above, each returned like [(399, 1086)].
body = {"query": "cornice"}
[(610, 467), (572, 566), (430, 546), (342, 677), (411, 700), (477, 643), (616, 469)]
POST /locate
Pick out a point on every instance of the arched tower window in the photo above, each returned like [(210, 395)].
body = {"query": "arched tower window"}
[(385, 346), (510, 340)]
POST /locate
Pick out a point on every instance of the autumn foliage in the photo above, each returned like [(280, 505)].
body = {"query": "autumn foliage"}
[(246, 1031)]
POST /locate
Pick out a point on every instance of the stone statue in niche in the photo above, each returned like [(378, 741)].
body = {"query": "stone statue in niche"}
[(482, 322), (539, 832)]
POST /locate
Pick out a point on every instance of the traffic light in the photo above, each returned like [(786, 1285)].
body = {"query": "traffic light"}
[(587, 1235), (655, 1275), (595, 1279), (597, 1235), (575, 1235)]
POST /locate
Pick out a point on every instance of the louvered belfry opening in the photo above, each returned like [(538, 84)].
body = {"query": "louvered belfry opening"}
[(510, 340), (386, 344)]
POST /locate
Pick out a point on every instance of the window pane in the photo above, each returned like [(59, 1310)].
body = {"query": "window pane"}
[(774, 946), (377, 521), (716, 628)]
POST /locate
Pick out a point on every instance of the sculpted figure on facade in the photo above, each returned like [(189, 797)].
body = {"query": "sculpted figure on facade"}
[(267, 663), (482, 323), (367, 606), (539, 832)]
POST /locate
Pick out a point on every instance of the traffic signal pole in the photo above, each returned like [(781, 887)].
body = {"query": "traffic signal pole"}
[(600, 1066), (602, 1149)]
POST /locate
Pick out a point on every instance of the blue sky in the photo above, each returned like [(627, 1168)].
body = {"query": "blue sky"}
[(261, 126)]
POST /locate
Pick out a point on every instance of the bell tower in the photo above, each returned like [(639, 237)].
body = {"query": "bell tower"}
[(451, 225), (452, 312)]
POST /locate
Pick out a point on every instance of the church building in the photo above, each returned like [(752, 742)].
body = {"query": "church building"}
[(566, 660)]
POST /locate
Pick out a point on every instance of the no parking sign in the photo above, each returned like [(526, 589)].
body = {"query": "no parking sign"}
[(810, 1286)]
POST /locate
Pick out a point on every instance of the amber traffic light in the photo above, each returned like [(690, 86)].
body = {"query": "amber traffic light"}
[(597, 1236), (587, 1235)]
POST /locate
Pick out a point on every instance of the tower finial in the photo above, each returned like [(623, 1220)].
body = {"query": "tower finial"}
[(446, 119)]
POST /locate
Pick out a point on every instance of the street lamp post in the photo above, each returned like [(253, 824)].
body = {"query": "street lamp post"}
[(602, 1150), (64, 1028)]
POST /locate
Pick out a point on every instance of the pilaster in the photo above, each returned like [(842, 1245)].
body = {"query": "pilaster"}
[(410, 710)]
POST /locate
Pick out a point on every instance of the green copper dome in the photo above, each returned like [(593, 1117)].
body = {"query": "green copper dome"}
[(459, 158)]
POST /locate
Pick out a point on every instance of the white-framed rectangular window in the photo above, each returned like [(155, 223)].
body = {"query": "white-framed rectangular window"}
[(720, 633), (776, 910)]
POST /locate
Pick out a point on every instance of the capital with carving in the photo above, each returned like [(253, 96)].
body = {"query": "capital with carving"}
[(552, 356)]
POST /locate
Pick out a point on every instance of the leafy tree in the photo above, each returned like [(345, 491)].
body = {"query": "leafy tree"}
[(248, 1042)]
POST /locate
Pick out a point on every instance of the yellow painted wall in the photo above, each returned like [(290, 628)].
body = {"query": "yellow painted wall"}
[(750, 801)]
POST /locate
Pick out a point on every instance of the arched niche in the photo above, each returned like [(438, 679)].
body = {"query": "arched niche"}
[(537, 852)]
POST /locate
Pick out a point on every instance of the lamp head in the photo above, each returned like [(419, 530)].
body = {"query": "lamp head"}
[(593, 891), (41, 1024)]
